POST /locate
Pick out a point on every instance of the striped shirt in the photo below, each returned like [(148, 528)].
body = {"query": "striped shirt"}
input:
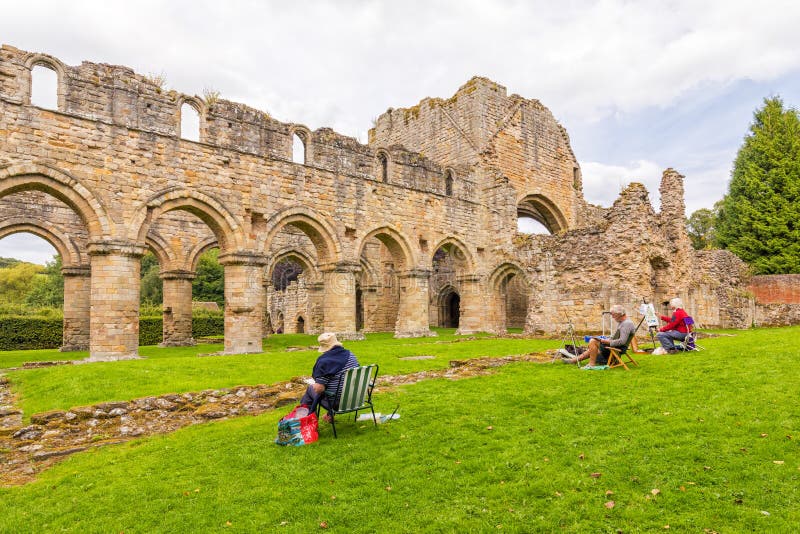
[(333, 384)]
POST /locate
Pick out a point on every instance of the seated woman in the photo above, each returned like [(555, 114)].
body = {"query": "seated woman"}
[(675, 329)]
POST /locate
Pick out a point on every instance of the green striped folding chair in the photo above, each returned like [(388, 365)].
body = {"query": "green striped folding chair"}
[(356, 393)]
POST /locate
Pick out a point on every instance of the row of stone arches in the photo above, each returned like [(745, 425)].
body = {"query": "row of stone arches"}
[(106, 263)]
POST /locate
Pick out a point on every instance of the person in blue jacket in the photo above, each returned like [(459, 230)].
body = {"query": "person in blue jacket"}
[(327, 373)]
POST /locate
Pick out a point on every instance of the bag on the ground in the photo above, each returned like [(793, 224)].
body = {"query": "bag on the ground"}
[(574, 349), (298, 427)]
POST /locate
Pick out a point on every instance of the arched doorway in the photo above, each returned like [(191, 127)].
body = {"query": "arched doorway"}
[(301, 325), (449, 309)]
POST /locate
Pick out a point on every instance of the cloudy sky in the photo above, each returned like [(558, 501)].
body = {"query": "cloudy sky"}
[(639, 85)]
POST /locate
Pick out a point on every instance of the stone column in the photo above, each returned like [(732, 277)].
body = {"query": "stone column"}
[(77, 303), (412, 315), (244, 301), (177, 315), (339, 303), (114, 314), (316, 308), (370, 305), (472, 313)]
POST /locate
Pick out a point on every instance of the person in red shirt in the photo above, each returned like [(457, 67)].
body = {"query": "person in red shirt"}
[(675, 329)]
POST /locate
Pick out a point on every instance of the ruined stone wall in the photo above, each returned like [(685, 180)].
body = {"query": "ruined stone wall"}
[(110, 170), (517, 138)]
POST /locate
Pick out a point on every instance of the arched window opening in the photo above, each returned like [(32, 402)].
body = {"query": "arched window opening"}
[(301, 325), (298, 149), (44, 87), (383, 161), (190, 123), (448, 183), (284, 273), (529, 225)]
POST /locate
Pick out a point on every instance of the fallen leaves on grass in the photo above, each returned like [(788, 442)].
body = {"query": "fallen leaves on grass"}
[(778, 462), (610, 504), (596, 475), (323, 524), (655, 491)]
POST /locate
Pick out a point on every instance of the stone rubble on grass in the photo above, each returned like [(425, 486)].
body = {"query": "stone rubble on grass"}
[(53, 435)]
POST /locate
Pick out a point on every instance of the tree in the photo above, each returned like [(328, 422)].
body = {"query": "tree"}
[(759, 218), (152, 288), (47, 290), (700, 226), (17, 281), (209, 282)]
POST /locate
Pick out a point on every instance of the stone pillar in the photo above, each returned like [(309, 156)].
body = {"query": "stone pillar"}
[(177, 315), (114, 314), (472, 313), (370, 304), (316, 308), (77, 293), (412, 315), (339, 303), (244, 301)]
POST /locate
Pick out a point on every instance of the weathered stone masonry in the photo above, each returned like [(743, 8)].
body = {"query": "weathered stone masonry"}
[(418, 227)]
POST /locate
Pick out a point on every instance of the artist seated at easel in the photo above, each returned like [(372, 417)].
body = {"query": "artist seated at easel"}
[(597, 353)]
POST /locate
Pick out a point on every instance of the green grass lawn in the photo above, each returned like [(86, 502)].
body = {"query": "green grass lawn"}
[(706, 441)]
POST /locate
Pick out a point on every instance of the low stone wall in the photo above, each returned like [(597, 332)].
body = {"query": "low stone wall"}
[(776, 314)]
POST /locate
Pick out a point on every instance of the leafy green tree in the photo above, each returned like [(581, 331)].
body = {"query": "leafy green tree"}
[(759, 218), (17, 281), (48, 289), (701, 227), (152, 288), (209, 282), (8, 262)]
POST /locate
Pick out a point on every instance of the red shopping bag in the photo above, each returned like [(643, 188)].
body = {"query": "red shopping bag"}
[(298, 427)]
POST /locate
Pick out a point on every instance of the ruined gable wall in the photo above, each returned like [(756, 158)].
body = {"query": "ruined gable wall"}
[(482, 126)]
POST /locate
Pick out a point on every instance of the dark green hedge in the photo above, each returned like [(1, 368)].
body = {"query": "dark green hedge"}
[(25, 333)]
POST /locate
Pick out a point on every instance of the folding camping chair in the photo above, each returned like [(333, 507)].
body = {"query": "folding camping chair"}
[(690, 341), (355, 394), (616, 355)]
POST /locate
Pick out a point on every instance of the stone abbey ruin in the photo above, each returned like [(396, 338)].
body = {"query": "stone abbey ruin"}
[(416, 228)]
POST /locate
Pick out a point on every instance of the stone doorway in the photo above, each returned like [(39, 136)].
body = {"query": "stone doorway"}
[(450, 309)]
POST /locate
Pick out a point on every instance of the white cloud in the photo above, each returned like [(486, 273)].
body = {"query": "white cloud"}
[(26, 247), (602, 183)]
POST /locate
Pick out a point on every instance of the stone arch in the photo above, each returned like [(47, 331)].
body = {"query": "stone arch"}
[(543, 210), (200, 107), (465, 257), (498, 297), (63, 186), (397, 244), (383, 164), (162, 251), (43, 60), (448, 304), (300, 324), (449, 178), (306, 261), (319, 231), (209, 210), (70, 253), (302, 133), (194, 255)]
